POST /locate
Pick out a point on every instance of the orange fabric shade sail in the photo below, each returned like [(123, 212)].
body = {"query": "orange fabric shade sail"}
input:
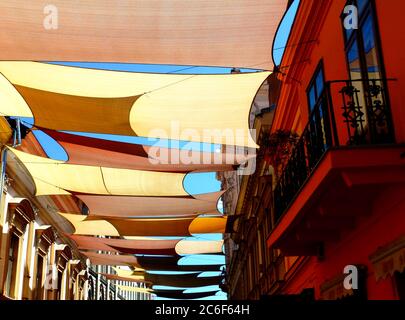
[(111, 259), (157, 247), (115, 277), (105, 153), (236, 33), (127, 207), (177, 227)]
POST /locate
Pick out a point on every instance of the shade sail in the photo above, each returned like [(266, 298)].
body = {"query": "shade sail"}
[(124, 273), (179, 294), (113, 154), (208, 225), (128, 207), (172, 280), (182, 280), (134, 289), (166, 264), (115, 277), (198, 247), (168, 106), (85, 225), (110, 259), (11, 102), (236, 33), (53, 177), (158, 247)]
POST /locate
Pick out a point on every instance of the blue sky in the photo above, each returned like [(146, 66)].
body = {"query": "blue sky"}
[(194, 183)]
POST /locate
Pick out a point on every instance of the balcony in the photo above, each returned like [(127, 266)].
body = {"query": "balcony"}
[(345, 154)]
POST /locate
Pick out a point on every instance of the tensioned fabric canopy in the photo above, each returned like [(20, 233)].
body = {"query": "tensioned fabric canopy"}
[(159, 263), (111, 259), (115, 277), (179, 294), (158, 247), (182, 280), (134, 289), (149, 247), (171, 280), (85, 225), (54, 177), (197, 108), (198, 247), (113, 154), (236, 33), (128, 207)]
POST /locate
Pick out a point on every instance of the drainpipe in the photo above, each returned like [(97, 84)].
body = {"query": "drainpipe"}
[(16, 143)]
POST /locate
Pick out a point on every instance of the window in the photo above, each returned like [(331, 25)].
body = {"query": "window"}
[(399, 278), (362, 50), (39, 277), (12, 265), (366, 72), (316, 88)]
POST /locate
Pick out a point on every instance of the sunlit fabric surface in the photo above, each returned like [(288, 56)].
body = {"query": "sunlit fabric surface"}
[(128, 207), (53, 177), (85, 225), (198, 247), (168, 106), (172, 280), (158, 247), (134, 289), (179, 294), (237, 33), (113, 154)]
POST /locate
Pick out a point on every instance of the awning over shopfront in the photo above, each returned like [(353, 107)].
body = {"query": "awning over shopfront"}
[(167, 106), (234, 33)]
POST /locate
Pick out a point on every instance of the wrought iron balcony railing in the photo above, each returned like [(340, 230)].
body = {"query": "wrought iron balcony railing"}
[(349, 112)]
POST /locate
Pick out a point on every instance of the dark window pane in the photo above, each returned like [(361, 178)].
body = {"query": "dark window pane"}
[(319, 81), (370, 49), (354, 61), (312, 98), (361, 5)]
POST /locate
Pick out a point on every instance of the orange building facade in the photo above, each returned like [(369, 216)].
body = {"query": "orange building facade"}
[(339, 199)]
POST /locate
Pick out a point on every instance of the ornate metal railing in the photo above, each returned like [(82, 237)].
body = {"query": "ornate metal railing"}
[(359, 108)]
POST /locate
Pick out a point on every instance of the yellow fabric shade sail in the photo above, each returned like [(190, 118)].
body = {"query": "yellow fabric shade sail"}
[(85, 225), (11, 102), (237, 33), (197, 108), (54, 177), (134, 289), (111, 259), (126, 273), (198, 247)]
